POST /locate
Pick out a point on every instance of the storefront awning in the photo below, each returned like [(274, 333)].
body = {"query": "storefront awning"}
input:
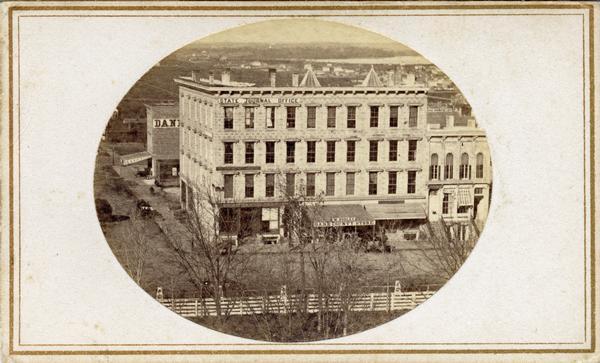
[(342, 215), (396, 211), (464, 197), (135, 158)]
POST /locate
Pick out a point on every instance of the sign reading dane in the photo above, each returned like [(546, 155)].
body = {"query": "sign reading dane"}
[(166, 123)]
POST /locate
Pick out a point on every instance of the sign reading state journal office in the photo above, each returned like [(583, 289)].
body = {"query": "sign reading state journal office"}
[(165, 123), (259, 100)]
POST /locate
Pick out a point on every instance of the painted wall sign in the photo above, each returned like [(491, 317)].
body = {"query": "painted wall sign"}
[(166, 123), (344, 221), (259, 100)]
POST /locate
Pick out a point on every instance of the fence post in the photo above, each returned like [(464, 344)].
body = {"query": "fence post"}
[(372, 301), (414, 299), (284, 298), (196, 306), (389, 298)]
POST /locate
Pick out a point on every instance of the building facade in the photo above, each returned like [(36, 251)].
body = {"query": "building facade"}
[(460, 172), (162, 121), (362, 147)]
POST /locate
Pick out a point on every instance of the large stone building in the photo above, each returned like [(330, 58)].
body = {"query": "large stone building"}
[(364, 148)]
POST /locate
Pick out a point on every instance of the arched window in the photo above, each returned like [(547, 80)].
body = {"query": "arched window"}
[(449, 166), (465, 168), (479, 167), (434, 168)]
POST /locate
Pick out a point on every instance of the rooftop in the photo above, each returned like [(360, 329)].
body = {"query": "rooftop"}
[(169, 109), (270, 78)]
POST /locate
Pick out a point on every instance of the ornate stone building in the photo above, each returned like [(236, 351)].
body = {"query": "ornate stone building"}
[(363, 147)]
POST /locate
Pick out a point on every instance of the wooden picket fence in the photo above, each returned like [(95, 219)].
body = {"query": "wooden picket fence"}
[(283, 303)]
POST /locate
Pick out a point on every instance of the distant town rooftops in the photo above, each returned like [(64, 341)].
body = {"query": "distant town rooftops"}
[(450, 119)]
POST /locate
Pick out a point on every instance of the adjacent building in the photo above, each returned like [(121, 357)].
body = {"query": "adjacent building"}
[(363, 149), (162, 120), (460, 173)]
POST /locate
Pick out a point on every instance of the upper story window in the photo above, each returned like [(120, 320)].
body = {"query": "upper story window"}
[(449, 166), (249, 153), (413, 116), (374, 116), (269, 185), (393, 154), (290, 117), (350, 151), (269, 152), (311, 117), (331, 115), (392, 180), (228, 186), (373, 146), (479, 167), (290, 152), (373, 183), (228, 117), (411, 185), (351, 117), (228, 152), (270, 117), (350, 179), (249, 186), (249, 117), (310, 184), (330, 151), (290, 184), (330, 184), (311, 151), (434, 167), (412, 150), (465, 168), (393, 116)]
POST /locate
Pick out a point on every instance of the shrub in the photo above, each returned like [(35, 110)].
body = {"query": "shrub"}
[(104, 210)]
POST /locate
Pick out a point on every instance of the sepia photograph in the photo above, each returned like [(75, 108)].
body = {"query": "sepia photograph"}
[(298, 181), (292, 180)]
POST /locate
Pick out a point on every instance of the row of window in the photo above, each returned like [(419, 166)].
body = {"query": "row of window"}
[(311, 151), (311, 116), (464, 170), (290, 184)]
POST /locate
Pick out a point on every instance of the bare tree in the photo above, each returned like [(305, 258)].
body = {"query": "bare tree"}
[(211, 260), (446, 249), (136, 247)]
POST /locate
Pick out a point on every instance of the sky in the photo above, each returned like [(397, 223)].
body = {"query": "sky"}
[(297, 31)]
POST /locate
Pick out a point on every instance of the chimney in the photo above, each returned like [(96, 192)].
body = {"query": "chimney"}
[(196, 76), (449, 121), (410, 79), (390, 78), (471, 122), (273, 76), (295, 80), (211, 78), (226, 76)]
